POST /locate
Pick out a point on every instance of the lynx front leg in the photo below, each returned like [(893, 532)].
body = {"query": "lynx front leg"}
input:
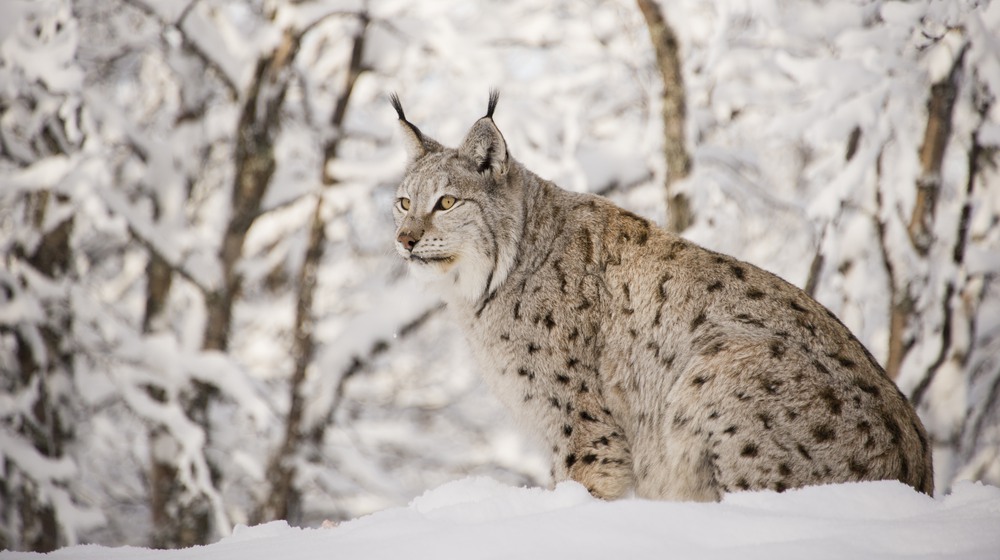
[(598, 454)]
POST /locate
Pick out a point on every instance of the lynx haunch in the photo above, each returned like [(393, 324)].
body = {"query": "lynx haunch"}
[(645, 362)]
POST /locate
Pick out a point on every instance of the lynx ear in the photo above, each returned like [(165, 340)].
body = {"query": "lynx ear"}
[(484, 144), (416, 143)]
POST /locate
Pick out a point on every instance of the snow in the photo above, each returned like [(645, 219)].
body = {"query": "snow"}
[(481, 518), (778, 94)]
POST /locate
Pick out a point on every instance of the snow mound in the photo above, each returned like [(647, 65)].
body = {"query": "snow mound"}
[(481, 518)]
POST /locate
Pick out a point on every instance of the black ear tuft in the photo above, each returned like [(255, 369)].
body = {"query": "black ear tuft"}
[(484, 144), (494, 97), (394, 99), (416, 143), (398, 106)]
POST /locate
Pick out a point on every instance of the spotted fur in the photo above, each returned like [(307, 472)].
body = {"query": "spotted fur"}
[(643, 361)]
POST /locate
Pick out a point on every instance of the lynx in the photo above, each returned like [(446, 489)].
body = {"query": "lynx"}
[(649, 366)]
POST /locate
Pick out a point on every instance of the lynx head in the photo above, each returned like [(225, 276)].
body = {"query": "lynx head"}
[(458, 212)]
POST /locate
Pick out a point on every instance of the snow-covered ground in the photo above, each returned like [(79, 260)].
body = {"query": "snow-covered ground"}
[(481, 518)]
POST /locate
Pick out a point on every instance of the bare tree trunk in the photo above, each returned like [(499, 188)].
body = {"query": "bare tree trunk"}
[(937, 133), (936, 136), (184, 515), (283, 500), (668, 60)]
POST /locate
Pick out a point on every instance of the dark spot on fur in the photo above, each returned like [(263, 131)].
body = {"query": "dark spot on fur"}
[(633, 333), (603, 440), (770, 385), (573, 334), (589, 459), (532, 348), (820, 367), (698, 321), (699, 381), (843, 360), (587, 417), (832, 401), (765, 419), (675, 248), (823, 433), (548, 322), (782, 334), (784, 469), (742, 484), (562, 378), (526, 373), (780, 487), (777, 349), (803, 451), (868, 388), (738, 271), (505, 337), (588, 245), (668, 361), (528, 397), (856, 467), (921, 437), (570, 460), (730, 430), (715, 286), (791, 414), (749, 450), (666, 277), (893, 428), (517, 310), (748, 320), (584, 388), (571, 363), (555, 402), (567, 430), (795, 306), (714, 348), (755, 294), (713, 415)]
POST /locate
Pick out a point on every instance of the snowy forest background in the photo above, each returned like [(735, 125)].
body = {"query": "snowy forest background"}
[(202, 321)]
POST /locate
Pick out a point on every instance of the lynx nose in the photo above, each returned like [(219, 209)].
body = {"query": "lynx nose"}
[(407, 240)]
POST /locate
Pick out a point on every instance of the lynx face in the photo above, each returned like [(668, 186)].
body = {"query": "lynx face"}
[(453, 210)]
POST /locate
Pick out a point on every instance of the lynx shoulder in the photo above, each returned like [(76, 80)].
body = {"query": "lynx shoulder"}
[(643, 361)]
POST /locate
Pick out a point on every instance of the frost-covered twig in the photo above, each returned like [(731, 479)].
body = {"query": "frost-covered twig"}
[(188, 43)]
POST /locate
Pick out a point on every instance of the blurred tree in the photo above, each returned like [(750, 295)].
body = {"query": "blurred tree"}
[(674, 114), (42, 129), (283, 498)]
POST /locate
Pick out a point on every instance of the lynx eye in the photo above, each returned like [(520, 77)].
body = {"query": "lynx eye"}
[(445, 202), (404, 203)]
